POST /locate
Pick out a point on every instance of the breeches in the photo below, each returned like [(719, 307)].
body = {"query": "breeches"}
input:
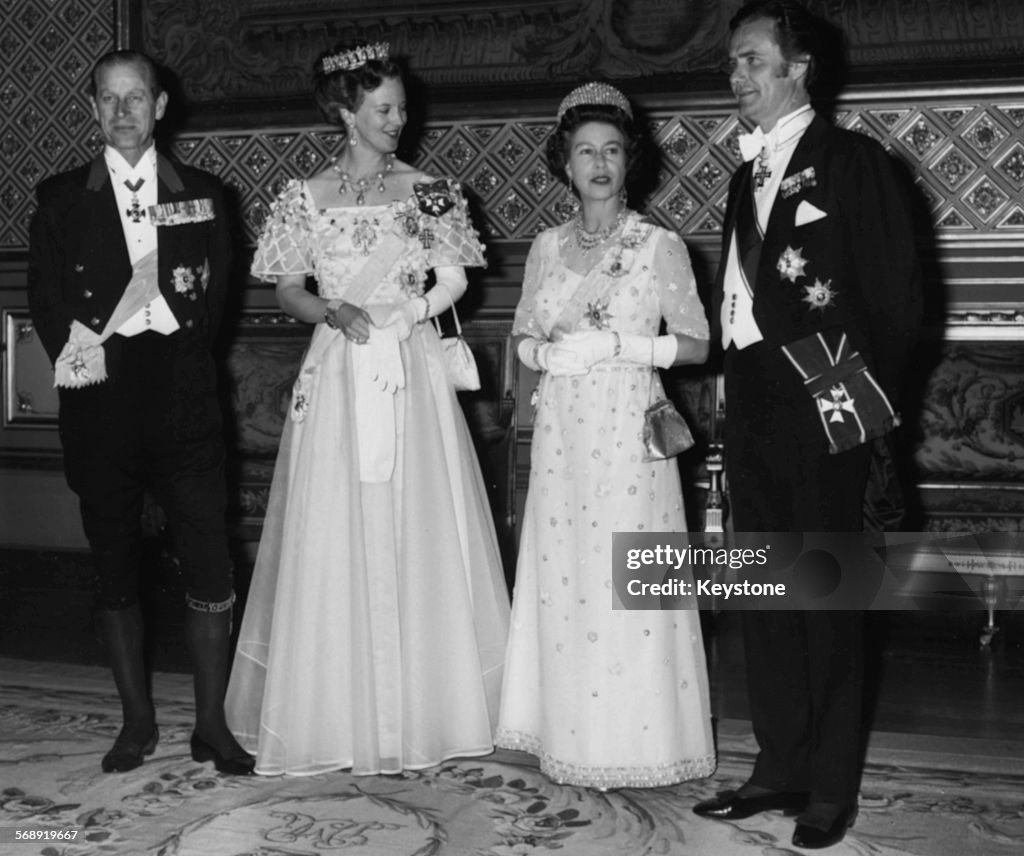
[(156, 426)]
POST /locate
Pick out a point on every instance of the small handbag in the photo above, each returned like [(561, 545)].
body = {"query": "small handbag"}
[(665, 432), (458, 358)]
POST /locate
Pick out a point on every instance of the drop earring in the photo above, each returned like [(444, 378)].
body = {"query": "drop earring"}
[(566, 206), (353, 136)]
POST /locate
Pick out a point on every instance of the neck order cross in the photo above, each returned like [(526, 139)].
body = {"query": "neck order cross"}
[(135, 212)]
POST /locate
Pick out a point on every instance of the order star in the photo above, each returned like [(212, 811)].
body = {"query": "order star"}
[(792, 263)]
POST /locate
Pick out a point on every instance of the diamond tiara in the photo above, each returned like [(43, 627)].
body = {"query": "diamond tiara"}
[(595, 93), (355, 58)]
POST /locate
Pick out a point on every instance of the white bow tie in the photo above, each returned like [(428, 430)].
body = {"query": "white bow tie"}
[(752, 144)]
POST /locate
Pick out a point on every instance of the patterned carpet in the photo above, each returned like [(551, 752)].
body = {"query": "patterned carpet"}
[(920, 796)]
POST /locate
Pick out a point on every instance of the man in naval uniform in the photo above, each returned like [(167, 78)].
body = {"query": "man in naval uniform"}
[(128, 274)]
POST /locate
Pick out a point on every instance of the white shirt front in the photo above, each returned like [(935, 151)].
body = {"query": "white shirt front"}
[(737, 317), (139, 232)]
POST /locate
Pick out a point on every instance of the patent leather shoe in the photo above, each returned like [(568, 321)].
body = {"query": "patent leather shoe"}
[(728, 805), (240, 764), (815, 838), (127, 753)]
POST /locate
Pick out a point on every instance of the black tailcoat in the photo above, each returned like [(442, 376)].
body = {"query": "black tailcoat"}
[(805, 668), (155, 423)]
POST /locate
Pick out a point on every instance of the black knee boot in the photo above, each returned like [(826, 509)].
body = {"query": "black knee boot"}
[(123, 638), (207, 635)]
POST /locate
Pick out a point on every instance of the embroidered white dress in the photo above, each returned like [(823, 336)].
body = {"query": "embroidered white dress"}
[(375, 628), (604, 698)]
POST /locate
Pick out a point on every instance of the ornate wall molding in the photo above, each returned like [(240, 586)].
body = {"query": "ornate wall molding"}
[(252, 49), (883, 32)]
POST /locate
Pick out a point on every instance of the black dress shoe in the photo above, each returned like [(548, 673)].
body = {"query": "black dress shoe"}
[(814, 838), (241, 764), (730, 806), (127, 752)]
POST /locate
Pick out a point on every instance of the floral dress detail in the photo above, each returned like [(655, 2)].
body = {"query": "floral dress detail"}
[(604, 698), (374, 632)]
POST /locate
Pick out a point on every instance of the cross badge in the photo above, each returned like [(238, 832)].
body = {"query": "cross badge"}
[(764, 172), (135, 212)]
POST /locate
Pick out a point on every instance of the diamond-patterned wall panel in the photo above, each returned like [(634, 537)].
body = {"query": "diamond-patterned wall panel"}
[(968, 162), (46, 52), (965, 148)]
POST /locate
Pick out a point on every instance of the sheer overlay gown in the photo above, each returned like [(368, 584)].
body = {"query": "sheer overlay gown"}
[(375, 629), (604, 698)]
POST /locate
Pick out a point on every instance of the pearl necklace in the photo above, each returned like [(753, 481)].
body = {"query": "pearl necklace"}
[(361, 184), (587, 241)]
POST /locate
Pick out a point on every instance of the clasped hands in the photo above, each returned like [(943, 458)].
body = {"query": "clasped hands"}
[(575, 353), (355, 323), (382, 357)]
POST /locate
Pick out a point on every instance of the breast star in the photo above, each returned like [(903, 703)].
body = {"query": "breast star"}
[(792, 263), (820, 295)]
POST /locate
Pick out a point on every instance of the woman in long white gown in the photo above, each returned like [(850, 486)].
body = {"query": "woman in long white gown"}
[(604, 698), (374, 632)]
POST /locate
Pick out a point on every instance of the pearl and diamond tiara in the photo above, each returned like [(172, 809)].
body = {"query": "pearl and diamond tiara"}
[(595, 93), (355, 58)]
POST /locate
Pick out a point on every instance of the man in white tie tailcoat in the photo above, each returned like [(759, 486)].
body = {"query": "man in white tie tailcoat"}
[(817, 299)]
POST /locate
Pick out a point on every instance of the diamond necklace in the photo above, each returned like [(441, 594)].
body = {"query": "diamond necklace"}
[(586, 241), (361, 184)]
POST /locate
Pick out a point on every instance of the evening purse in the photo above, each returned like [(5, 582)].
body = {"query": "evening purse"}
[(665, 432), (459, 361)]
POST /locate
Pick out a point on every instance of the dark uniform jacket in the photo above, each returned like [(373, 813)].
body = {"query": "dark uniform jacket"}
[(79, 265)]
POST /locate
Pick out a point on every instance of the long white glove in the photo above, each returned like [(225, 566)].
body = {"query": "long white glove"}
[(449, 286), (592, 346), (657, 351), (405, 316), (595, 346), (550, 357), (381, 359)]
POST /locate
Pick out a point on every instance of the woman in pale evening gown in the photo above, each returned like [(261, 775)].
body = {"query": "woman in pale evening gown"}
[(375, 628), (605, 698)]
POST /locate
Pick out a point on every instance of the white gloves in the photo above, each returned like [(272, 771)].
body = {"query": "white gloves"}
[(657, 351), (592, 346), (450, 285), (380, 359), (550, 357), (405, 316), (577, 352)]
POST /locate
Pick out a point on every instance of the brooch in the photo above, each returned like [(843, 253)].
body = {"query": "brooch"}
[(797, 181), (791, 263), (597, 314), (434, 199)]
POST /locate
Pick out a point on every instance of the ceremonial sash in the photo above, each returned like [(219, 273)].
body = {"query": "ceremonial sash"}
[(601, 277), (852, 406), (82, 361), (376, 430)]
